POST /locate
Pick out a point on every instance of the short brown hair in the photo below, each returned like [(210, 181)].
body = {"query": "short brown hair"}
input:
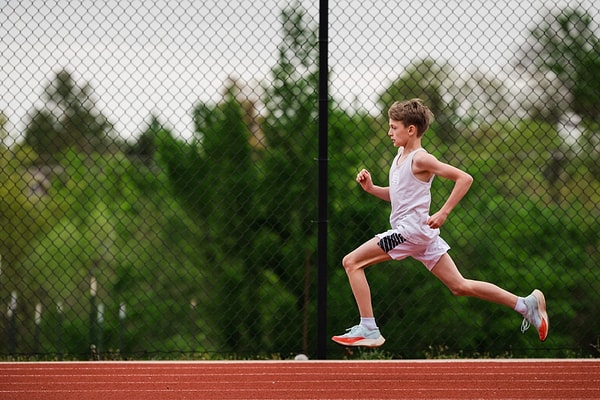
[(412, 112)]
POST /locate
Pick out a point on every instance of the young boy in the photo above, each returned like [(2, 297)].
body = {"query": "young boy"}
[(416, 234)]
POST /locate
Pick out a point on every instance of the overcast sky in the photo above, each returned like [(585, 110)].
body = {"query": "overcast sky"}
[(163, 57)]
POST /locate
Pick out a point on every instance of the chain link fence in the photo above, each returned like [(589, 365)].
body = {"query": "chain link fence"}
[(159, 176)]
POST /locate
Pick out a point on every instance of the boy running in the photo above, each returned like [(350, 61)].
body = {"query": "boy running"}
[(415, 234)]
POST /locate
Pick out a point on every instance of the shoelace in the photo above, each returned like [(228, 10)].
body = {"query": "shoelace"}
[(353, 329), (525, 325)]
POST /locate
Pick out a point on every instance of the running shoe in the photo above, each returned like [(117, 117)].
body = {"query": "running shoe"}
[(358, 335), (536, 314)]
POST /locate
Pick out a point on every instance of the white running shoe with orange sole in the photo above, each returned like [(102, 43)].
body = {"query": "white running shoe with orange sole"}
[(358, 335), (536, 314)]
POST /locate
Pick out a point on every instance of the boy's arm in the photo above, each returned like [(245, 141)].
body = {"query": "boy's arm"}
[(462, 183), (365, 181)]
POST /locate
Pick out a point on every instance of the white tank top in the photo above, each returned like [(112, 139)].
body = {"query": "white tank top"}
[(411, 199)]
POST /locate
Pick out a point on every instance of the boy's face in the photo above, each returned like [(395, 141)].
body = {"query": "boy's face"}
[(399, 133)]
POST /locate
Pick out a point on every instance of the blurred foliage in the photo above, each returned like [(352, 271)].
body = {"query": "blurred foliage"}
[(207, 246)]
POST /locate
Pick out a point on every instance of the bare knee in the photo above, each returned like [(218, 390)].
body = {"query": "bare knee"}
[(348, 263), (461, 288), (445, 270), (367, 254), (352, 263)]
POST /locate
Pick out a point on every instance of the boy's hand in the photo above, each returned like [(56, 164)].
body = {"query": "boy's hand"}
[(437, 220), (364, 179)]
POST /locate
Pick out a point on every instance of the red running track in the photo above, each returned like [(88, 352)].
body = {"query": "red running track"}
[(438, 379)]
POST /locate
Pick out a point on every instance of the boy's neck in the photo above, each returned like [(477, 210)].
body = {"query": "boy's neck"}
[(412, 145)]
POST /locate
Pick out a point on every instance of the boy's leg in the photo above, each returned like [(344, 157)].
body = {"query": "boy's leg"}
[(367, 254), (354, 263), (535, 311), (447, 272)]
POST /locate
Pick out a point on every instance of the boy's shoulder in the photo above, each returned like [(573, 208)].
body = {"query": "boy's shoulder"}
[(423, 155), (424, 163)]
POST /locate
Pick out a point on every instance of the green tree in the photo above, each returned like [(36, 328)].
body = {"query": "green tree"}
[(26, 212), (288, 194), (565, 44), (69, 119), (145, 147), (215, 178), (121, 225)]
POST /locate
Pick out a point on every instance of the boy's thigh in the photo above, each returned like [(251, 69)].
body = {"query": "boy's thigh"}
[(366, 254), (428, 254)]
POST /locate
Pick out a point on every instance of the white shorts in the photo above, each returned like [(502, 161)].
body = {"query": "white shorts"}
[(400, 248)]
